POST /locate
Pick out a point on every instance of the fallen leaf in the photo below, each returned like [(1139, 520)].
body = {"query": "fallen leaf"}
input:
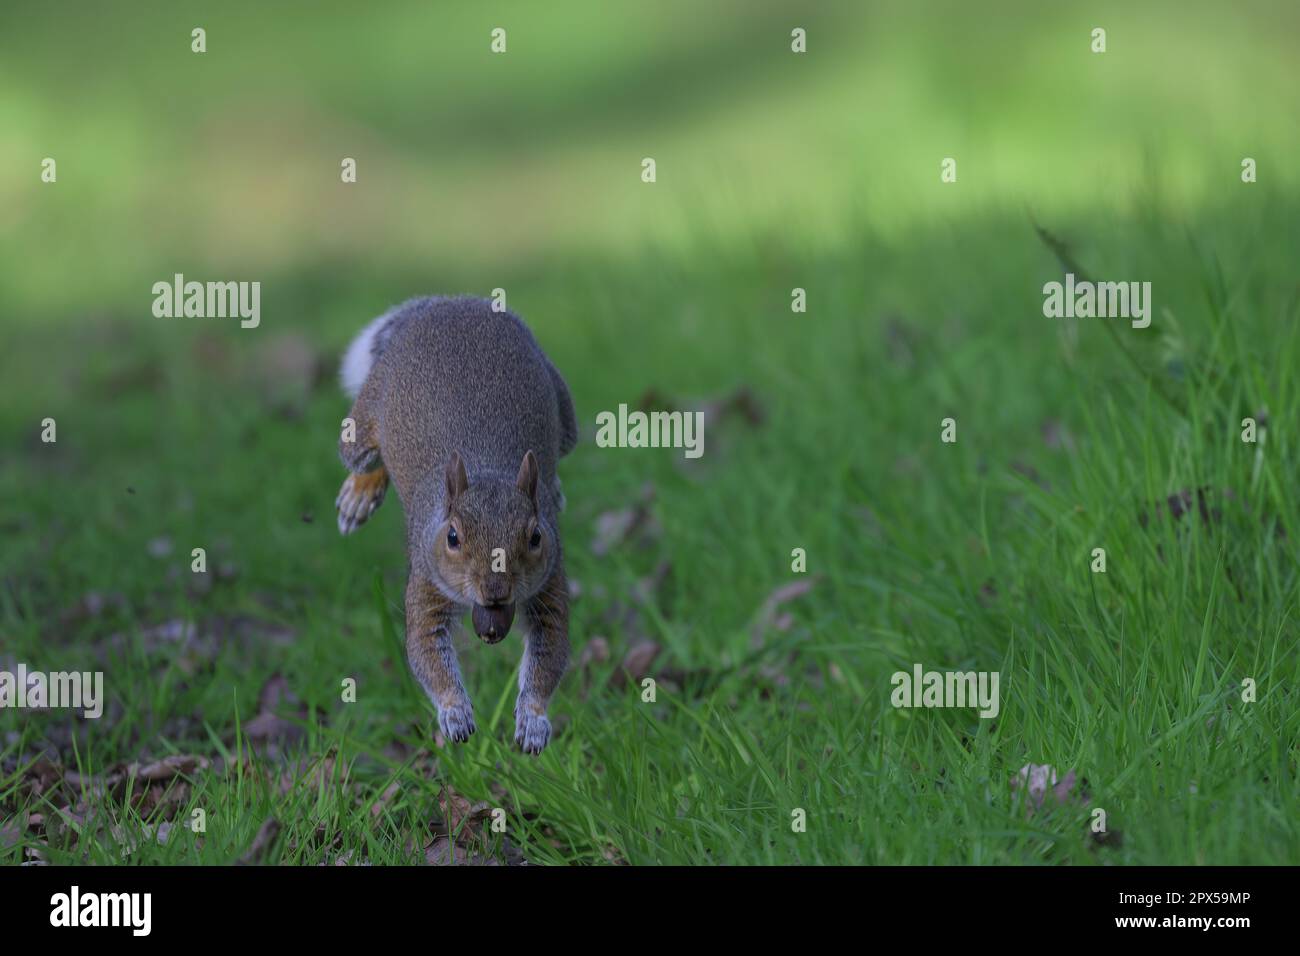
[(267, 725), (612, 855), (740, 403), (596, 652), (169, 767), (444, 852), (459, 838), (646, 590), (462, 818), (770, 614), (262, 842), (638, 660), (381, 804), (11, 832), (633, 524), (311, 773)]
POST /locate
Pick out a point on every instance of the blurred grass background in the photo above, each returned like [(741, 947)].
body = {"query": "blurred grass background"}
[(474, 164), (775, 170)]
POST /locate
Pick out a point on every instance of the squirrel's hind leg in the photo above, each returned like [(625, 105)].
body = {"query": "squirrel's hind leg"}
[(363, 490), (359, 497), (546, 653)]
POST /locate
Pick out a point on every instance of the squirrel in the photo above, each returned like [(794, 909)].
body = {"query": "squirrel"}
[(457, 405)]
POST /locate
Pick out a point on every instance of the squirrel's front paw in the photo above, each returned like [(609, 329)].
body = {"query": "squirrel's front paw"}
[(359, 497), (532, 732), (456, 722)]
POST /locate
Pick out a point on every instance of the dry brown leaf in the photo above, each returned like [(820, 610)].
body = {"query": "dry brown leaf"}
[(444, 852), (311, 772), (268, 726), (169, 767), (612, 855), (633, 524), (11, 831), (262, 842), (462, 817), (638, 660), (596, 652), (381, 804), (42, 776), (646, 590), (771, 616), (740, 404)]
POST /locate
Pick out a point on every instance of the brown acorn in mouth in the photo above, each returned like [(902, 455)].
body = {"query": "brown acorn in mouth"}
[(492, 623)]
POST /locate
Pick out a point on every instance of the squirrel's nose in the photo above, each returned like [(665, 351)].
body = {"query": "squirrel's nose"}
[(496, 589)]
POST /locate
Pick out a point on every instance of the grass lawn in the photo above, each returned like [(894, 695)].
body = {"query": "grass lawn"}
[(224, 690)]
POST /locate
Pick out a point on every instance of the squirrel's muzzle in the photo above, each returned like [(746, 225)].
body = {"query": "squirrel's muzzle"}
[(492, 623)]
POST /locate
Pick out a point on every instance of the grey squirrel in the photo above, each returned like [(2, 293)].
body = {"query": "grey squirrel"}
[(458, 406)]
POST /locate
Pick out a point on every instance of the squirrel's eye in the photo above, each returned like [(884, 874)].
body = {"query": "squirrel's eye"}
[(453, 539), (536, 540)]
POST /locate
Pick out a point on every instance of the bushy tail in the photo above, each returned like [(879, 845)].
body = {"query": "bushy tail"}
[(361, 354)]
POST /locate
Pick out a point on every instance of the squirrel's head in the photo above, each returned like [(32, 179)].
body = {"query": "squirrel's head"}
[(493, 548)]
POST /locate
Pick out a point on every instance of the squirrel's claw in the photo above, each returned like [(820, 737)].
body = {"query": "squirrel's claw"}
[(532, 732), (359, 497), (456, 722)]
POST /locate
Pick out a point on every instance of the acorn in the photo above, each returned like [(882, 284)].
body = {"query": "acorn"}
[(492, 623)]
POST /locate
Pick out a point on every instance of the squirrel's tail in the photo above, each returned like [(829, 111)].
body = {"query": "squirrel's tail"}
[(361, 354)]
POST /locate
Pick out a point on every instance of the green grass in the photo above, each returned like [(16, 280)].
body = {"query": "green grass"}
[(1132, 677), (924, 304)]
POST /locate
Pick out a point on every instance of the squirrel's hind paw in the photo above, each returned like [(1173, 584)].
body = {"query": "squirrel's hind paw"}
[(456, 722), (359, 497), (532, 732)]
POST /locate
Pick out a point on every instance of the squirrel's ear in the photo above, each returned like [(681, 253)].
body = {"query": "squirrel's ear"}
[(527, 480), (456, 480)]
